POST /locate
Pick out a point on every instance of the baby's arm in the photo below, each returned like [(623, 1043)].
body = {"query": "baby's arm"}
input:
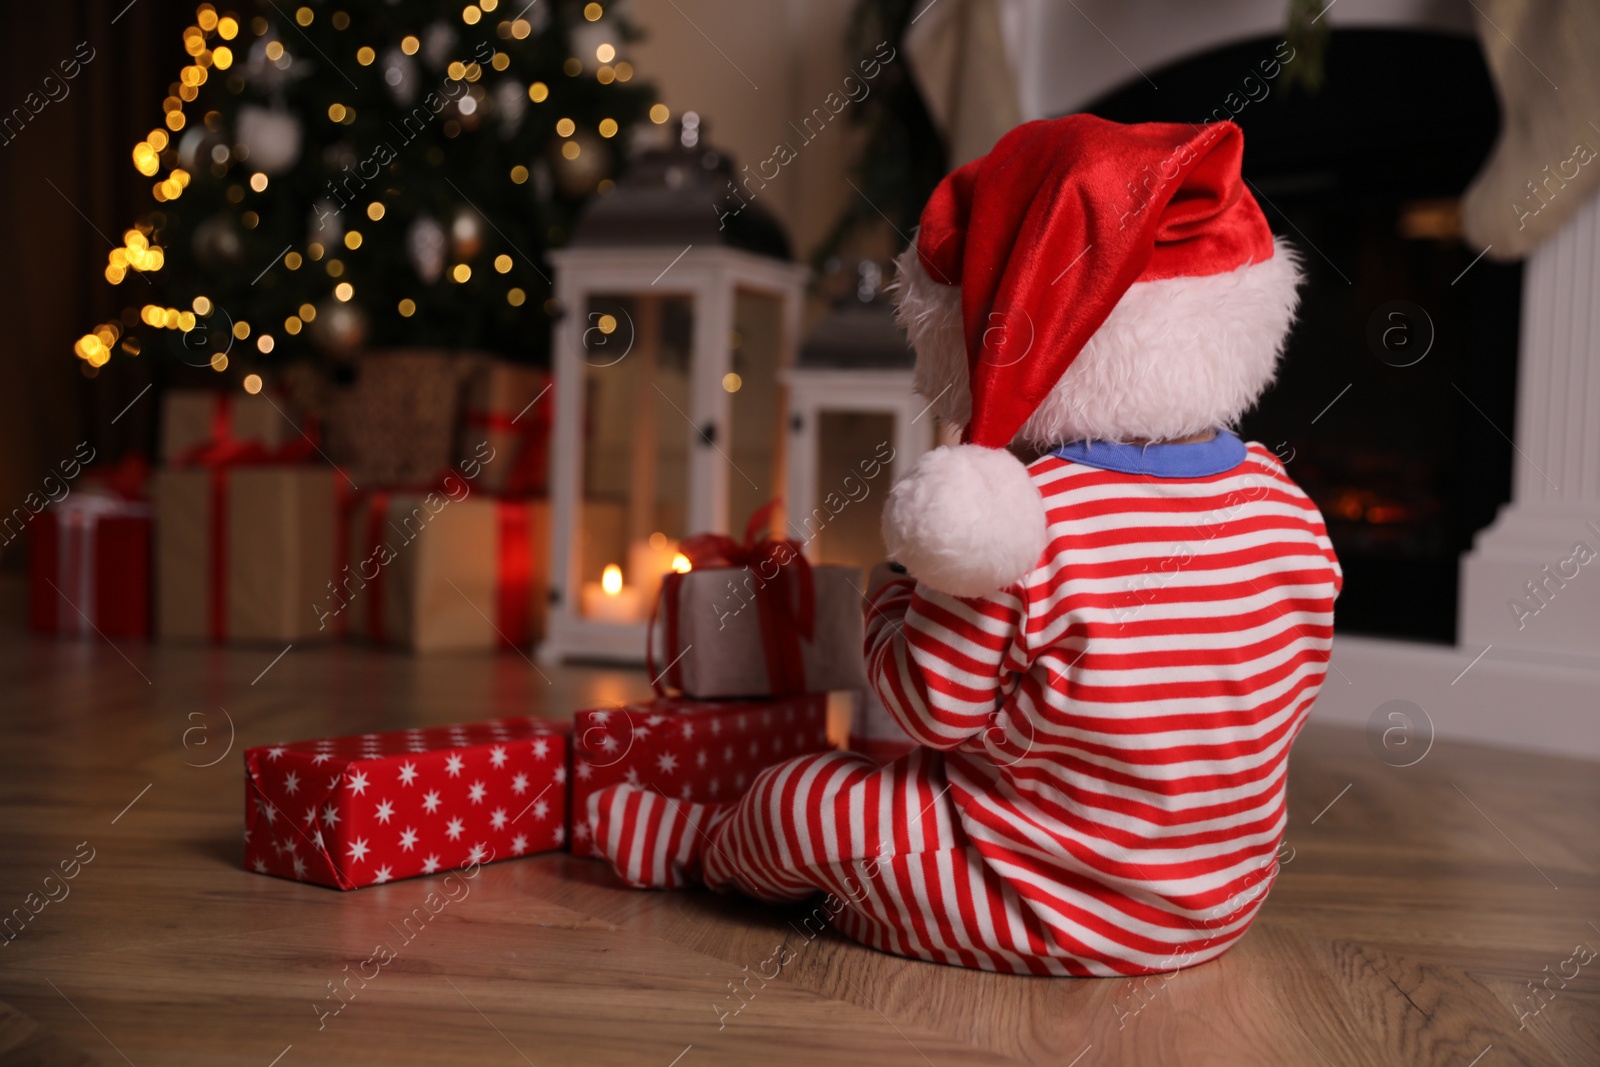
[(937, 661)]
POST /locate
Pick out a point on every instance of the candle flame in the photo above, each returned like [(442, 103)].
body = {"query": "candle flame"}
[(611, 579), (681, 564)]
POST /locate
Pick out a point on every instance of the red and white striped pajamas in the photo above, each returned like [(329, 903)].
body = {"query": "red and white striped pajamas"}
[(1101, 787)]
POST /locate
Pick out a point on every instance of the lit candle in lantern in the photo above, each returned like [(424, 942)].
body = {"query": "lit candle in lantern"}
[(608, 600), (651, 558)]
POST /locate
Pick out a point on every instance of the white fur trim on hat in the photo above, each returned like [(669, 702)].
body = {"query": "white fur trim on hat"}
[(966, 520), (1175, 357)]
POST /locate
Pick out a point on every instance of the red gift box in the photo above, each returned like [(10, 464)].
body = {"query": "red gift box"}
[(354, 811), (700, 750), (89, 567)]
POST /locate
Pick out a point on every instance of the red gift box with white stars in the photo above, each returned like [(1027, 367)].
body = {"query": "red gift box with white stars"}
[(700, 750), (354, 811)]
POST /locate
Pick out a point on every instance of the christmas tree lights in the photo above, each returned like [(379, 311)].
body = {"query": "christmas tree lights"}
[(380, 172)]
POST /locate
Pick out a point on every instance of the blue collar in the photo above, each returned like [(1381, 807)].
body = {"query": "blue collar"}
[(1200, 459)]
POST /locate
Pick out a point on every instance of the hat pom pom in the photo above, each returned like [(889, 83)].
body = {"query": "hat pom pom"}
[(966, 520)]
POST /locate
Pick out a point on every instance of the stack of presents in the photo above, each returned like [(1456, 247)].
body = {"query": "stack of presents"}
[(255, 513), (741, 689), (269, 520)]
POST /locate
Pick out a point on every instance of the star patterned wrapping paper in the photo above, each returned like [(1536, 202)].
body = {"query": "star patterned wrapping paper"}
[(700, 750), (354, 811)]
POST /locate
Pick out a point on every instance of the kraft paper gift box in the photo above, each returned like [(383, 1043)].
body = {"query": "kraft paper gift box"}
[(89, 567), (348, 812), (732, 632), (432, 572), (509, 408), (699, 750), (193, 418), (244, 553)]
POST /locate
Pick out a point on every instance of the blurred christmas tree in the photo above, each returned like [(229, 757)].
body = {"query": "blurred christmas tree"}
[(384, 172)]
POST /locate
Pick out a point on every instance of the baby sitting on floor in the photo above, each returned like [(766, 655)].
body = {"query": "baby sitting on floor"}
[(1103, 653)]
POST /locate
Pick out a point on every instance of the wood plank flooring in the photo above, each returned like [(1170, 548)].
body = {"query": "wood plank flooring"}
[(1418, 906)]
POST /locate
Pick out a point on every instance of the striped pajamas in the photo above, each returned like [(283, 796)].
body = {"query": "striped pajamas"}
[(1100, 789)]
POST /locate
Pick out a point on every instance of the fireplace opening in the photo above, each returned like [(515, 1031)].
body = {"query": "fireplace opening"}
[(1394, 402)]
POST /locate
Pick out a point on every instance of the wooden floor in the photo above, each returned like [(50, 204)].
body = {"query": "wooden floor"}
[(1417, 907)]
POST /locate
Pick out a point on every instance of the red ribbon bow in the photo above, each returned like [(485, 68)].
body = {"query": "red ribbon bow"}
[(231, 452), (127, 479), (785, 597)]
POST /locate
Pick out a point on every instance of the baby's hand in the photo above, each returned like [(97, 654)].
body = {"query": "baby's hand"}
[(882, 575)]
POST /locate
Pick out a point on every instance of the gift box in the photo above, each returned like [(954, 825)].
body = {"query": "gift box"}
[(445, 570), (874, 732), (353, 811), (191, 419), (395, 424), (246, 551), (756, 618), (508, 411), (89, 567), (699, 750)]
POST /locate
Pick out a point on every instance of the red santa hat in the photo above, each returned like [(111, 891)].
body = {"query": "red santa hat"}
[(1028, 252)]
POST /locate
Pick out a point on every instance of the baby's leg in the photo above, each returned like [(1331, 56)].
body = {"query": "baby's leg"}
[(790, 833), (771, 844), (886, 846), (651, 840)]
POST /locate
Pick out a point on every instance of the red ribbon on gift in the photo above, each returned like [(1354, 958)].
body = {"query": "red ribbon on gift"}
[(220, 456), (222, 417), (530, 463), (785, 600), (127, 479), (377, 518), (514, 573)]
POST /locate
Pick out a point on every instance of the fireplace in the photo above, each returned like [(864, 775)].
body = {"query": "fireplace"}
[(1395, 401)]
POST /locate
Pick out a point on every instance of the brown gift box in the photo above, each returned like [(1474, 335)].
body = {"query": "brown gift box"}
[(708, 639), (441, 572), (396, 424), (509, 407), (256, 574), (191, 418)]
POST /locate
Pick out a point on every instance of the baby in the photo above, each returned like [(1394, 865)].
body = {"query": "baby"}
[(1110, 616)]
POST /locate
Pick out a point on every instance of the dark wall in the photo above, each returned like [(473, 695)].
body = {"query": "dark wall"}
[(66, 172)]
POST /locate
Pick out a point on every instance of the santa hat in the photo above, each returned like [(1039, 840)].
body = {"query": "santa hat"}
[(1085, 279)]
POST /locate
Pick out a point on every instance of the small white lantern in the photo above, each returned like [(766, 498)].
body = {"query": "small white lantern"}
[(677, 315), (854, 426)]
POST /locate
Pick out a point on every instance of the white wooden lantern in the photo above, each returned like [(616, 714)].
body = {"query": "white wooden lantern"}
[(851, 405), (677, 317)]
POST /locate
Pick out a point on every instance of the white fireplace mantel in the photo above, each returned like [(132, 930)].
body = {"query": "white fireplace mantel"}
[(1066, 55), (1526, 671)]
